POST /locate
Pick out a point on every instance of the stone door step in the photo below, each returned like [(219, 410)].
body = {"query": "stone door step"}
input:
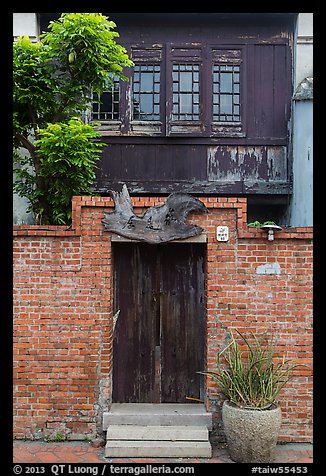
[(158, 449), (157, 414), (160, 433), (164, 430)]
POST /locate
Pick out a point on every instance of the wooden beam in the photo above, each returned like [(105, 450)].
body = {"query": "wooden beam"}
[(199, 187), (192, 239)]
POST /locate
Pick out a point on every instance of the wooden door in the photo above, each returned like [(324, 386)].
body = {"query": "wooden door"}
[(159, 337)]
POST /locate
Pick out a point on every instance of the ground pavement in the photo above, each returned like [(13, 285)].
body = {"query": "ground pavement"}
[(85, 452)]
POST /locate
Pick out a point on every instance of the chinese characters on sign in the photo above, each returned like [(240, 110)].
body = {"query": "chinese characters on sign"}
[(159, 224)]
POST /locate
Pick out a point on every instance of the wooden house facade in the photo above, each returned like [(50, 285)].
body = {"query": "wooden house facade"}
[(207, 107), (206, 110)]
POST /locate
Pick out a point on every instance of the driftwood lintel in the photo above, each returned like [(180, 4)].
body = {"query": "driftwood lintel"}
[(159, 224)]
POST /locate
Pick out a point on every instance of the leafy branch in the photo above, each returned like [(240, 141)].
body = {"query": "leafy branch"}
[(257, 224), (53, 80)]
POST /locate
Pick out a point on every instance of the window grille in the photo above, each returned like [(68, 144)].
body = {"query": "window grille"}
[(185, 101), (106, 106), (226, 93), (146, 92)]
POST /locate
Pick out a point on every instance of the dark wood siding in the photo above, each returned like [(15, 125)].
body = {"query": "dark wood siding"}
[(194, 168), (269, 92), (199, 157)]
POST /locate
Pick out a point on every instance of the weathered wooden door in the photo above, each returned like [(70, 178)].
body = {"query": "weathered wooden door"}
[(159, 338)]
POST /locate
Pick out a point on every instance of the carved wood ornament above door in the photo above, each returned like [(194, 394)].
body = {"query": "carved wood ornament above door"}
[(159, 224)]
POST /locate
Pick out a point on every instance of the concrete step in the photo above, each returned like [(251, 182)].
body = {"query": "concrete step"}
[(157, 433), (157, 414), (158, 449)]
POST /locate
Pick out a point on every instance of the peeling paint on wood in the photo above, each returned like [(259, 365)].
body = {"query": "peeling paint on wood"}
[(246, 163), (145, 52), (201, 187)]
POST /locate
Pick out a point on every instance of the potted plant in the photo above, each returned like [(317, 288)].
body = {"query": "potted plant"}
[(250, 379)]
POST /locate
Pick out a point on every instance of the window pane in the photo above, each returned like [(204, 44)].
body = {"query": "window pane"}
[(225, 104), (146, 92), (107, 101), (147, 82), (226, 83), (185, 104), (186, 82), (216, 110), (146, 105)]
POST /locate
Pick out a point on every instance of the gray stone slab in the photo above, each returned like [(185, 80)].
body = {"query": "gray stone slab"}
[(161, 449), (165, 414), (156, 408), (160, 433)]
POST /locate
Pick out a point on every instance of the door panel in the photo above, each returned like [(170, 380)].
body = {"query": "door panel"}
[(134, 340), (159, 337), (182, 323)]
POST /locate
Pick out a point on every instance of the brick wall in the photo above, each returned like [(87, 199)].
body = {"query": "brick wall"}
[(63, 314)]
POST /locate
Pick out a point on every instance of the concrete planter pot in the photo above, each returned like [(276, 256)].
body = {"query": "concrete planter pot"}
[(251, 434)]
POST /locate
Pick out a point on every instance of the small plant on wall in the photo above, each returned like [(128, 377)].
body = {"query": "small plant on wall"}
[(257, 224)]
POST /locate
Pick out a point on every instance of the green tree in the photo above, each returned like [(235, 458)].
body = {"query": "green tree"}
[(54, 79)]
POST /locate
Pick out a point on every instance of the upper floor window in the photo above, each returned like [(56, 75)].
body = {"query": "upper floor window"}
[(226, 93), (106, 107), (146, 92), (185, 92)]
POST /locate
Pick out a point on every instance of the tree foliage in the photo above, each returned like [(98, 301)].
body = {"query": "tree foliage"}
[(54, 79)]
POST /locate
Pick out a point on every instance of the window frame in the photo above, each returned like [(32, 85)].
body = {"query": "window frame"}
[(180, 90), (145, 54), (113, 91), (180, 54), (108, 127), (232, 92), (154, 70), (228, 54)]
